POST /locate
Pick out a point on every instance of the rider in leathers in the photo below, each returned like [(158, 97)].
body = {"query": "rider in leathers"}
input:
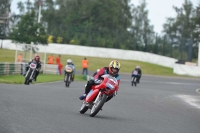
[(113, 70), (138, 69), (38, 67), (71, 64)]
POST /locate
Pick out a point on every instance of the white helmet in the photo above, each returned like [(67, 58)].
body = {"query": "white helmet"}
[(69, 61), (137, 67)]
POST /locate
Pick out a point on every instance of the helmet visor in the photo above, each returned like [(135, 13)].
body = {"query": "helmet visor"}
[(37, 58), (115, 70)]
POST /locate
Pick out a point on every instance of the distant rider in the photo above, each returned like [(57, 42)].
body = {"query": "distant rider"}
[(38, 67), (70, 64), (137, 68), (113, 70)]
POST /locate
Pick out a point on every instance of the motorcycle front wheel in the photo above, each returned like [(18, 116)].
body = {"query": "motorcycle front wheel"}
[(67, 80), (132, 81), (27, 81), (83, 108), (98, 105), (135, 81)]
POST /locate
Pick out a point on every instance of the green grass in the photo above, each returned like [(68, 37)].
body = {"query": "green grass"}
[(7, 55), (95, 63), (42, 78)]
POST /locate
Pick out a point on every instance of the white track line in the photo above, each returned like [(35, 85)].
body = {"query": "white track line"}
[(160, 82), (198, 91), (190, 100), (48, 83)]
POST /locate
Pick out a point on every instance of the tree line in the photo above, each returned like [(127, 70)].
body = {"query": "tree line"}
[(108, 23)]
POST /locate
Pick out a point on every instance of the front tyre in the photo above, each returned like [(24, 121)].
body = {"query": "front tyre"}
[(135, 81), (132, 81), (67, 80), (98, 105), (83, 108), (26, 82), (27, 79)]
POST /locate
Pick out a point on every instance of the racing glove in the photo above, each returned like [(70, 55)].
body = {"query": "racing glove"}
[(97, 81)]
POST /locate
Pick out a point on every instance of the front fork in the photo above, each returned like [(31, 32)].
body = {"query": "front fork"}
[(97, 97), (32, 74), (27, 72)]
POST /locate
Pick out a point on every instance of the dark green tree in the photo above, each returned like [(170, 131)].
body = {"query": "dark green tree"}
[(28, 30), (106, 20), (4, 18), (181, 29), (141, 29)]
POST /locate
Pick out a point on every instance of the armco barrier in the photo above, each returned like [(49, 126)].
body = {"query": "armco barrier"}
[(20, 68), (50, 69), (10, 68)]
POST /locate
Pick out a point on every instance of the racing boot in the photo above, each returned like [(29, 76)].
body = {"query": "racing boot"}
[(82, 96)]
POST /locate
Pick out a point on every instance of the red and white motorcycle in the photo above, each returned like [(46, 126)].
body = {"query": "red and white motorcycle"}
[(98, 95)]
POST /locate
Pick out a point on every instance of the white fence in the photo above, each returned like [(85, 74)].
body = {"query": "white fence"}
[(110, 53), (50, 69), (99, 52), (187, 70)]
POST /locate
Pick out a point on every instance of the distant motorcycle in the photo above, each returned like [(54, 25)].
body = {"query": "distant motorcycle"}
[(31, 73), (134, 77), (68, 74), (98, 95)]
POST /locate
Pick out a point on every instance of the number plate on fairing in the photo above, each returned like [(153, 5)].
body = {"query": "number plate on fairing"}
[(32, 65)]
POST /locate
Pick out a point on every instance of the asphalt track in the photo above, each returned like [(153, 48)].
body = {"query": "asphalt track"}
[(156, 105)]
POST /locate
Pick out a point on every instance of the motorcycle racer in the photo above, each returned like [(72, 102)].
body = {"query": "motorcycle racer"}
[(112, 69), (69, 63), (39, 65), (138, 69)]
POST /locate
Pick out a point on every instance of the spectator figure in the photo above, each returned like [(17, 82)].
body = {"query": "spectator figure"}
[(85, 66), (19, 58), (51, 59), (60, 66)]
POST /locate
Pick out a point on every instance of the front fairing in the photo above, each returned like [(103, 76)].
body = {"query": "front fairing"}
[(33, 65), (103, 87), (91, 95)]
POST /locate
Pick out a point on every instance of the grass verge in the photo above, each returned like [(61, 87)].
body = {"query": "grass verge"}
[(42, 78), (95, 63)]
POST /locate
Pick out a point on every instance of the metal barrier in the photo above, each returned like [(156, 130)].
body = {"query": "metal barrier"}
[(20, 68), (10, 68), (50, 69)]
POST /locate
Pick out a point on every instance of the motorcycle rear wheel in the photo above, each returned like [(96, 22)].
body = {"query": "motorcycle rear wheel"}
[(97, 106)]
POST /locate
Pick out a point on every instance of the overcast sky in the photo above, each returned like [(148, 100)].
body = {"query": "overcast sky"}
[(159, 10)]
